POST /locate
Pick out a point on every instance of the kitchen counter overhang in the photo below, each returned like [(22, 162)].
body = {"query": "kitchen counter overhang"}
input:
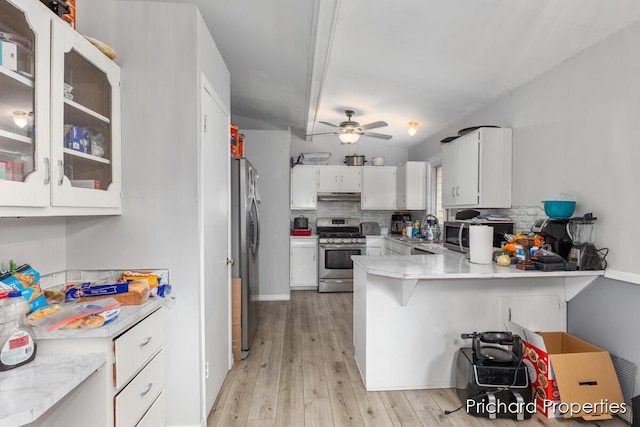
[(449, 265)]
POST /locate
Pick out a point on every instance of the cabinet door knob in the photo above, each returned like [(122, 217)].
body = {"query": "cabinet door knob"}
[(146, 341), (147, 390), (453, 191), (458, 191), (230, 261)]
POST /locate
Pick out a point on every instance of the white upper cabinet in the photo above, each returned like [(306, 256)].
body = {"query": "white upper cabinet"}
[(303, 187), (476, 169), (85, 173), (378, 188), (411, 181), (59, 118), (24, 104), (335, 179)]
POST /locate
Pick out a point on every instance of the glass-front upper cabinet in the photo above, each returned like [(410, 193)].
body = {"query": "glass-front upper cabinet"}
[(24, 103), (85, 131)]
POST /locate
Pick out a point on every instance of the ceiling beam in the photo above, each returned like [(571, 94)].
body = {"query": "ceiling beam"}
[(325, 16)]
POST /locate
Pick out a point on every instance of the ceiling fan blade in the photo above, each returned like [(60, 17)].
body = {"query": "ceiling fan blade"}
[(324, 133), (374, 125), (329, 124), (376, 135)]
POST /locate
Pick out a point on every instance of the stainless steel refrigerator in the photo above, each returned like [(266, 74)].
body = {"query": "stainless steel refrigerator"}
[(245, 243)]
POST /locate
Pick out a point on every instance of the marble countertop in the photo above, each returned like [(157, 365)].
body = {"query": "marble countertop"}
[(446, 264), (129, 315), (30, 390)]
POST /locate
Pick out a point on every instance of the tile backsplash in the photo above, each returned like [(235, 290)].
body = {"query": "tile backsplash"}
[(522, 216), (345, 210)]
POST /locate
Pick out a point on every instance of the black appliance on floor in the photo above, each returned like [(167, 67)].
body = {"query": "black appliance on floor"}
[(491, 380)]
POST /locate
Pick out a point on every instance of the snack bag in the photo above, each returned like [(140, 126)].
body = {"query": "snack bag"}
[(27, 281)]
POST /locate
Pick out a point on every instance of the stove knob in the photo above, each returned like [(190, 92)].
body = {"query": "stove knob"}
[(354, 240)]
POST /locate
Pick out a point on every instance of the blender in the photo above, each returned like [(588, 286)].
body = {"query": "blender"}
[(582, 231)]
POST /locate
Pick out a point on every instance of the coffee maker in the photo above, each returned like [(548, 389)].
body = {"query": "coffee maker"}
[(554, 232), (399, 221), (582, 231)]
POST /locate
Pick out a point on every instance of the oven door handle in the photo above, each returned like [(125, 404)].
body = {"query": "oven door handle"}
[(344, 247)]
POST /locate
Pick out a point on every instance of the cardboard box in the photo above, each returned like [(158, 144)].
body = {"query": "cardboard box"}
[(571, 378), (236, 311), (234, 141), (93, 184), (235, 342), (9, 55), (236, 307)]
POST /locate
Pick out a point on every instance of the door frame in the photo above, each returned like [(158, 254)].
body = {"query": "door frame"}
[(206, 86)]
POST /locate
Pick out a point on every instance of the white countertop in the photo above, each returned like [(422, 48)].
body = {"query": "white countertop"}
[(30, 390), (129, 315), (449, 265)]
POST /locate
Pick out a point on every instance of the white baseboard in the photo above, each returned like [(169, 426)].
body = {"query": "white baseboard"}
[(274, 297)]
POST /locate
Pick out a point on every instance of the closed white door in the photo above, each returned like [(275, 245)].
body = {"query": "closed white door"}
[(214, 195), (449, 173), (328, 179)]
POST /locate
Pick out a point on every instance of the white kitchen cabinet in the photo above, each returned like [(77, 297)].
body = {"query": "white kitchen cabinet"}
[(303, 262), (345, 179), (134, 377), (378, 188), (91, 177), (304, 187), (392, 247), (62, 80), (24, 92), (476, 170), (374, 245), (411, 186)]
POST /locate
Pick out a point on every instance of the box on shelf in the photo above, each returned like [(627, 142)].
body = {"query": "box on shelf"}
[(9, 55), (235, 151), (571, 378), (86, 183), (76, 138)]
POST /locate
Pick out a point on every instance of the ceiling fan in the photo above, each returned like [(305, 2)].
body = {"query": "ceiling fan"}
[(349, 131)]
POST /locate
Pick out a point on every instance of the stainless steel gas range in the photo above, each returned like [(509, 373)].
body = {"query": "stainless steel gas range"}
[(338, 240)]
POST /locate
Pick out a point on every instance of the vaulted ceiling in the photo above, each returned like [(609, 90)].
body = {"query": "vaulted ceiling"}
[(295, 63)]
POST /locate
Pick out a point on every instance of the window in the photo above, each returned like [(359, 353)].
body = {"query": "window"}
[(434, 188)]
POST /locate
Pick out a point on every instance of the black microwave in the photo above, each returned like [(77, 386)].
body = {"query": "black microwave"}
[(456, 233)]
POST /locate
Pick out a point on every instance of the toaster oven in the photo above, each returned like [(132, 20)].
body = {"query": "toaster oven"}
[(456, 233)]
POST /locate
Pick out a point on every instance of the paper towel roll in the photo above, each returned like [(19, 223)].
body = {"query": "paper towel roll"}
[(480, 244)]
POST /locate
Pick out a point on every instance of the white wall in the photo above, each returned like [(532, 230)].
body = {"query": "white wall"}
[(268, 151), (37, 241), (157, 48), (575, 130)]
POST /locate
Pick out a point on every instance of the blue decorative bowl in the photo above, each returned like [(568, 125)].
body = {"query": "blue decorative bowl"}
[(559, 209)]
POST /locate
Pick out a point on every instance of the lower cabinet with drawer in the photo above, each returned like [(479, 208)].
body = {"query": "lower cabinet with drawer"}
[(135, 374)]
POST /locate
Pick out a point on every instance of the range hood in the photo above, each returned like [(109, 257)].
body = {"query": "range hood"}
[(339, 197)]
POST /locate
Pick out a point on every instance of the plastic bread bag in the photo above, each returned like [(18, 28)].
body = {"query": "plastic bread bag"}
[(27, 281), (70, 312)]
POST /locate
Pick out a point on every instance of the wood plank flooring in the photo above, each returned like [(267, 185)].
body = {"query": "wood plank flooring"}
[(301, 373)]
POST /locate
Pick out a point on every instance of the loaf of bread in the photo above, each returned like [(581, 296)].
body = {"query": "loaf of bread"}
[(138, 293)]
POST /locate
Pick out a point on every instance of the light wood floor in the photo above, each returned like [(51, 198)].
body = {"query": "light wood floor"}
[(301, 373)]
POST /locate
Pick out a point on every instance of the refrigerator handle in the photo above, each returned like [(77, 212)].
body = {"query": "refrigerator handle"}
[(257, 226)]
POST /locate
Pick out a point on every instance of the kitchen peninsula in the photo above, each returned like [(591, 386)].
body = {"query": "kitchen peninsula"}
[(409, 312)]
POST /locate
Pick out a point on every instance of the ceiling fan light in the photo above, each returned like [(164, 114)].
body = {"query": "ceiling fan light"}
[(349, 138), (413, 128), (20, 118)]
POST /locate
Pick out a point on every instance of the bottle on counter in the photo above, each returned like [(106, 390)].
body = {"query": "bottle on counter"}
[(17, 345)]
